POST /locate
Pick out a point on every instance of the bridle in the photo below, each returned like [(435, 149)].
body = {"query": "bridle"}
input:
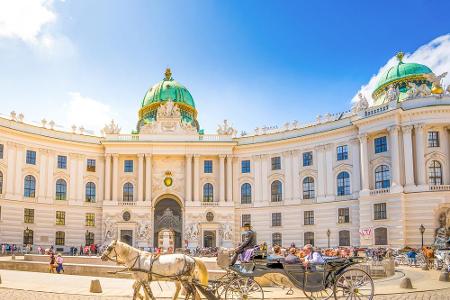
[(106, 255)]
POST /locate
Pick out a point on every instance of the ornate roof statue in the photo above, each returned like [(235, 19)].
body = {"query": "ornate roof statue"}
[(168, 110), (361, 105), (392, 93), (436, 82), (225, 129), (111, 128)]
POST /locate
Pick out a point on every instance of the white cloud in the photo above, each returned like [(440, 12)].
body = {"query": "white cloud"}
[(87, 112), (24, 19), (435, 55)]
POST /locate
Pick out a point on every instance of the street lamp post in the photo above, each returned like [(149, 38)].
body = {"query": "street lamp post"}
[(422, 231), (328, 235)]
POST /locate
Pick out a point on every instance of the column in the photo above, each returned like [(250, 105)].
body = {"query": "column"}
[(321, 176), (188, 178), (265, 184), (73, 176), (115, 176), (395, 158), (196, 177), (80, 179), (42, 163), (356, 179), (221, 178), (229, 178), (446, 150), (287, 166), (20, 159), (295, 174), (50, 169), (256, 159), (148, 177), (408, 155), (364, 161), (140, 177), (420, 154), (108, 177), (12, 162), (329, 170)]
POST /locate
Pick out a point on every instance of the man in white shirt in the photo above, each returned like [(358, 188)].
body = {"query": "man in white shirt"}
[(312, 257)]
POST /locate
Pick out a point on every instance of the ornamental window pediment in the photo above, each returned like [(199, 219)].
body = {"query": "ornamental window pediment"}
[(436, 155), (276, 176), (126, 179), (308, 173), (61, 175), (244, 179), (89, 177), (385, 160), (343, 167)]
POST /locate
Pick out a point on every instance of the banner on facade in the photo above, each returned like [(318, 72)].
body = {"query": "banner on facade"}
[(365, 233)]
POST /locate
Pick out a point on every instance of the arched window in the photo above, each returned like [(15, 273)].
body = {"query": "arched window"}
[(128, 192), (435, 173), (277, 239), (1, 183), (380, 236), (308, 238), (61, 189), (246, 193), (90, 192), (60, 238), (308, 188), (29, 186), (276, 191), (28, 237), (343, 184), (208, 192), (382, 177), (344, 238)]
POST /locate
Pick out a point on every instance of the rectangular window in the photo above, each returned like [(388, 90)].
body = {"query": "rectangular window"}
[(90, 219), (90, 165), (342, 152), (60, 238), (307, 159), (379, 211), (433, 139), (31, 157), (343, 215), (1, 151), (128, 166), (28, 215), (276, 163), (60, 218), (207, 166), (276, 219), (380, 144), (246, 219), (245, 166), (62, 162), (309, 217)]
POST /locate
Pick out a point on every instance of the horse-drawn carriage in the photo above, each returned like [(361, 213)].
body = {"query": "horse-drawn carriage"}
[(333, 280), (337, 278)]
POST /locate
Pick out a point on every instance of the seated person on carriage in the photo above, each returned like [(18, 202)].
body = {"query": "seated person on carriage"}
[(248, 245), (312, 257), (292, 257)]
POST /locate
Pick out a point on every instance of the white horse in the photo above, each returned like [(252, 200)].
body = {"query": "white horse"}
[(146, 267)]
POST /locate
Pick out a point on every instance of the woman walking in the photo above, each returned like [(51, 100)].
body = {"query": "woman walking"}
[(59, 264), (52, 263)]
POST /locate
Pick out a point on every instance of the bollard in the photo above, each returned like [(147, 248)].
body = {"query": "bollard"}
[(13, 257), (0, 279), (95, 286), (405, 283), (425, 267), (442, 277)]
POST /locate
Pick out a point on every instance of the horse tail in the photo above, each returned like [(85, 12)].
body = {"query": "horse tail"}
[(201, 270)]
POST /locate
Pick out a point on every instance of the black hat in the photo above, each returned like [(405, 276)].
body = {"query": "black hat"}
[(247, 225)]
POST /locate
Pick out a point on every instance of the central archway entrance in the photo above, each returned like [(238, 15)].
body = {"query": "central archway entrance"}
[(168, 224)]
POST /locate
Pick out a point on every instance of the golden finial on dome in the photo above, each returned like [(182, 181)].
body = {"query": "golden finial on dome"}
[(400, 56), (168, 74)]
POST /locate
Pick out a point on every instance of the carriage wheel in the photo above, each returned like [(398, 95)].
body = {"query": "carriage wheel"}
[(243, 288), (320, 295), (353, 284)]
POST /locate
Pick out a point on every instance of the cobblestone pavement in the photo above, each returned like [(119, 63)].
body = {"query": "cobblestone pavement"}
[(12, 294)]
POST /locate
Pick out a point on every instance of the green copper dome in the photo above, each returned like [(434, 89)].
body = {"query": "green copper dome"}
[(168, 89), (400, 75)]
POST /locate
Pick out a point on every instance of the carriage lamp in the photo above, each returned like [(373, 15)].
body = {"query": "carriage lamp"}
[(328, 235), (422, 231)]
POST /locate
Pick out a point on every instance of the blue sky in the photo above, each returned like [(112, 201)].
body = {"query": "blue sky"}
[(254, 63)]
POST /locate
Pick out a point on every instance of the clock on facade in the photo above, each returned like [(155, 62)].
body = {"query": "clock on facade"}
[(209, 216), (126, 216)]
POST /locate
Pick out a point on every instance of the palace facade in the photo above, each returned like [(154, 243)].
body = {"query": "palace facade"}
[(370, 176)]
